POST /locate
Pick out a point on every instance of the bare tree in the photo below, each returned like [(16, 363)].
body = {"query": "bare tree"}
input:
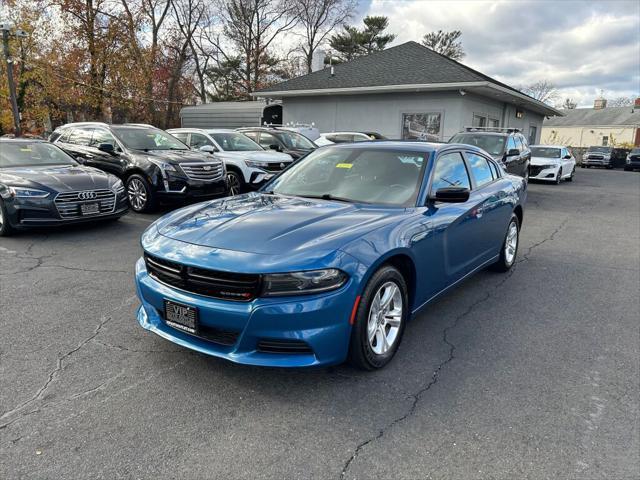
[(569, 104), (542, 90), (620, 102), (318, 18), (445, 43), (251, 28)]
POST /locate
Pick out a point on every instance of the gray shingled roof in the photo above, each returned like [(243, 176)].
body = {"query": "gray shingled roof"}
[(406, 64), (590, 117)]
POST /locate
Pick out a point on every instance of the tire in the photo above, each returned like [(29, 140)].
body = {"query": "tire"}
[(236, 183), (628, 169), (581, 166), (559, 177), (368, 349), (609, 167), (141, 196), (573, 172), (508, 253), (6, 229)]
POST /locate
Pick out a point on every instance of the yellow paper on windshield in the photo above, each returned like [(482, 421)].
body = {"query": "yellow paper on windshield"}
[(344, 165), (26, 150)]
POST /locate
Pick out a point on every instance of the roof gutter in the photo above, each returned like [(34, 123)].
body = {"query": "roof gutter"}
[(419, 87)]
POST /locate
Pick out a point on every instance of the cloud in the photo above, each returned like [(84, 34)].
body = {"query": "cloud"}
[(582, 47)]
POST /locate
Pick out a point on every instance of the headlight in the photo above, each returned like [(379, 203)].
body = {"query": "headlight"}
[(27, 192), (118, 186), (544, 167), (164, 166), (255, 164), (302, 283), (628, 159)]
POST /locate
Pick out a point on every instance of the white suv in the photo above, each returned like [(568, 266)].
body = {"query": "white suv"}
[(248, 164)]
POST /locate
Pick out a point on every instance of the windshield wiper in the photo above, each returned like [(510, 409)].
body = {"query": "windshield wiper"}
[(328, 196)]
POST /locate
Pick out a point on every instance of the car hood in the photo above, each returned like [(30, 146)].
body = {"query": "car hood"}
[(63, 178), (538, 161), (274, 224), (176, 156), (260, 156)]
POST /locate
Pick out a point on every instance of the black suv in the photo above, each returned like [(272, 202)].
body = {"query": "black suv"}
[(608, 157), (155, 166), (506, 145), (280, 140)]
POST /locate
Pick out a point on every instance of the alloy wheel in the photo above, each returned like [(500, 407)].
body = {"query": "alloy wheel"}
[(385, 318), (137, 194), (234, 183), (511, 244)]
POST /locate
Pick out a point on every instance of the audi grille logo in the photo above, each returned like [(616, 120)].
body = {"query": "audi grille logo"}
[(87, 195), (282, 165)]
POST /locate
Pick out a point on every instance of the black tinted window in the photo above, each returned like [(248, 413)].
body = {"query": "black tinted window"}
[(23, 154), (494, 170), (80, 136), (198, 140), (480, 169), (450, 171), (102, 136), (518, 143)]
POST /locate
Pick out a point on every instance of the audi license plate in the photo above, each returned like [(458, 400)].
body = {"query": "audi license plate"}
[(182, 317), (89, 208)]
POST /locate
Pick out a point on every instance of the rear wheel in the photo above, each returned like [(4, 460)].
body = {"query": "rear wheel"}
[(140, 194), (5, 227), (380, 320), (509, 249)]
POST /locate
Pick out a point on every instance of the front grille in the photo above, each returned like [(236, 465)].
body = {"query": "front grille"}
[(218, 335), (276, 167), (283, 346), (69, 203), (534, 171), (595, 157), (209, 283), (203, 171)]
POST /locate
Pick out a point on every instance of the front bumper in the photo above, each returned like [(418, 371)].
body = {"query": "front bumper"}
[(547, 174), (182, 189), (42, 212), (593, 162), (320, 321)]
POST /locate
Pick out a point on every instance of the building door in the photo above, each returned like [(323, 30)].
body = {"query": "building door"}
[(533, 134)]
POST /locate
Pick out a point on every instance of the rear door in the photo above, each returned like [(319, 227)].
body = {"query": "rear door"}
[(75, 141), (109, 162)]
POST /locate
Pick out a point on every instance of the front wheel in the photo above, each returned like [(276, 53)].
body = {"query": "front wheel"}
[(5, 227), (380, 320), (141, 197), (573, 172), (509, 249), (235, 183), (559, 177)]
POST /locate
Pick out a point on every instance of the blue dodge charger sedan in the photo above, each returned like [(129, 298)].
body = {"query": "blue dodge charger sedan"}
[(331, 258)]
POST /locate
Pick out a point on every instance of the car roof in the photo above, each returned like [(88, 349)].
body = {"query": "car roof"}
[(548, 146), (480, 132), (343, 133), (408, 146)]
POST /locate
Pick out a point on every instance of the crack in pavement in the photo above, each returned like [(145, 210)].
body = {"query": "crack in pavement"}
[(452, 348), (53, 375), (135, 350)]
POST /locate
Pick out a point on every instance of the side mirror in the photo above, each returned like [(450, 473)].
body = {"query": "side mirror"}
[(567, 157), (106, 148), (514, 152), (208, 149), (275, 147), (451, 195)]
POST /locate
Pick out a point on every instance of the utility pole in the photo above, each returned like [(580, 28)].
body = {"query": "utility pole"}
[(8, 31)]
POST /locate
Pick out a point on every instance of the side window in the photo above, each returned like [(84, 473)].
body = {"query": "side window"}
[(494, 170), (479, 169), (266, 139), (450, 171), (102, 136), (511, 144), (525, 145), (343, 138), (198, 140), (252, 135), (518, 143), (181, 136), (80, 136)]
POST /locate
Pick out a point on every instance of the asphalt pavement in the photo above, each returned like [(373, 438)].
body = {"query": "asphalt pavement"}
[(532, 374)]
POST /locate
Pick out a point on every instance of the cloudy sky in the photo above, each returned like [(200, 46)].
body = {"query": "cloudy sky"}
[(581, 46)]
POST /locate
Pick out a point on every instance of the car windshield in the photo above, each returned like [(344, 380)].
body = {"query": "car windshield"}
[(28, 154), (492, 144), (137, 138), (599, 149), (359, 175), (546, 152), (295, 140), (635, 151), (235, 142)]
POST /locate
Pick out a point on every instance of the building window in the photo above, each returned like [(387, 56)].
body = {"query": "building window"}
[(533, 133), (421, 126), (482, 120), (605, 141)]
